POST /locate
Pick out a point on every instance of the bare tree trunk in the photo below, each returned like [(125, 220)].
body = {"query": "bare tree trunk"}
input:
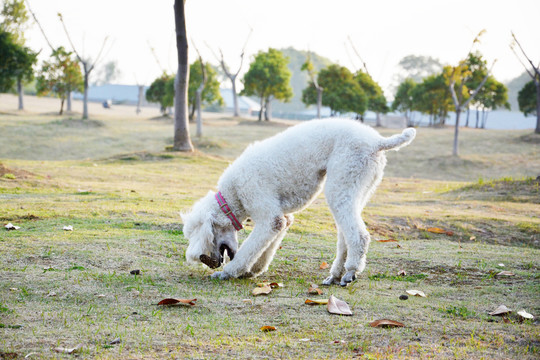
[(467, 118), (139, 99), (182, 141), (268, 110), (319, 101), (377, 120), (477, 114), (199, 118), (262, 108), (61, 106), (68, 98), (537, 84), (85, 95), (456, 133), (20, 92), (235, 98)]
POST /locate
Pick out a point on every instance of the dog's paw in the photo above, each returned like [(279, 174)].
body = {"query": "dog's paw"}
[(331, 280), (220, 275), (349, 277)]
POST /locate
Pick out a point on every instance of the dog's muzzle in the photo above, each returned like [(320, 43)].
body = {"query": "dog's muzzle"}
[(213, 262)]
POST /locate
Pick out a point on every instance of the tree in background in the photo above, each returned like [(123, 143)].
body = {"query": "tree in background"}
[(534, 73), (16, 64), (492, 95), (404, 100), (182, 141), (15, 19), (432, 97), (108, 73), (342, 93), (161, 91), (59, 76), (461, 79), (268, 78), (418, 67), (527, 99), (309, 67), (210, 86), (87, 64), (376, 99)]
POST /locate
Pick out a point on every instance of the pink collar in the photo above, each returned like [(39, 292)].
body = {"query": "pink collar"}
[(227, 211)]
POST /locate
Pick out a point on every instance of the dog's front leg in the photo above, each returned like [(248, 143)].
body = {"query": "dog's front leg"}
[(252, 249)]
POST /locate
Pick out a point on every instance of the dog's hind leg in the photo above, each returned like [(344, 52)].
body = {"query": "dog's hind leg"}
[(338, 266)]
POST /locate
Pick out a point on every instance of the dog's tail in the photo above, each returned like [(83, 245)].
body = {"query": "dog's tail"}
[(396, 142)]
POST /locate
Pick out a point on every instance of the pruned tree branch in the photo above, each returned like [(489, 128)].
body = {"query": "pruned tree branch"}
[(535, 68), (358, 54), (39, 25)]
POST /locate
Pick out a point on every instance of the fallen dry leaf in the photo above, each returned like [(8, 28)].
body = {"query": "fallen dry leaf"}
[(268, 328), (437, 230), (525, 315), (402, 273), (262, 290), (416, 293), (387, 240), (314, 290), (506, 273), (338, 307), (324, 265), (247, 301), (68, 350), (501, 310), (10, 226), (177, 302), (316, 302), (386, 323)]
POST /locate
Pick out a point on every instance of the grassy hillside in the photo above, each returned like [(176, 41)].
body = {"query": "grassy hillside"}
[(110, 179)]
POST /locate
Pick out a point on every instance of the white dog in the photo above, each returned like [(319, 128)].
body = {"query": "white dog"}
[(281, 175)]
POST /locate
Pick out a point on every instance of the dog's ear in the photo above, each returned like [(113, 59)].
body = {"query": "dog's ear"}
[(198, 228)]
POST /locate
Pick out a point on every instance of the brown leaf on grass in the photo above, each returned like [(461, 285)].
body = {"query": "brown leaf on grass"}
[(68, 350), (506, 273), (177, 302), (416, 293), (324, 265), (273, 285), (386, 323), (500, 311), (402, 273), (387, 240), (437, 230), (262, 290), (314, 290), (268, 328), (316, 302), (337, 306)]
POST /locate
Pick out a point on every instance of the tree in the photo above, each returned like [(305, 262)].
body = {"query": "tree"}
[(210, 91), (527, 99), (108, 73), (418, 67), (342, 93), (308, 66), (461, 79), (87, 64), (16, 64), (534, 73), (59, 76), (404, 100), (376, 100), (182, 141), (491, 96), (15, 18), (268, 78), (233, 76), (432, 97), (161, 91)]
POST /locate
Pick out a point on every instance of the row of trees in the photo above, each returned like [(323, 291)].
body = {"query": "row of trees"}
[(64, 72)]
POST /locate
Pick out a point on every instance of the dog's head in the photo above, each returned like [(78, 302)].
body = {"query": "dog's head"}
[(210, 233)]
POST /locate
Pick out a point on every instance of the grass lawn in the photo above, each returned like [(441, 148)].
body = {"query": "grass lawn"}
[(112, 181)]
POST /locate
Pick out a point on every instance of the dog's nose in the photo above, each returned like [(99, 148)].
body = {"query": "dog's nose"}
[(212, 263)]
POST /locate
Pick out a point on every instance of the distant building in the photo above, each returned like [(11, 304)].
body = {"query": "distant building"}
[(117, 94)]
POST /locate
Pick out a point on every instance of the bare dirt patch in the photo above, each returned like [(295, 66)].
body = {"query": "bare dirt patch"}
[(7, 173)]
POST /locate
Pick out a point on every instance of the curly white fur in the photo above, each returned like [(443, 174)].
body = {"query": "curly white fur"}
[(282, 175)]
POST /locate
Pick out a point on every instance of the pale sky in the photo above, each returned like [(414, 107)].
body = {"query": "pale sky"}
[(383, 31)]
